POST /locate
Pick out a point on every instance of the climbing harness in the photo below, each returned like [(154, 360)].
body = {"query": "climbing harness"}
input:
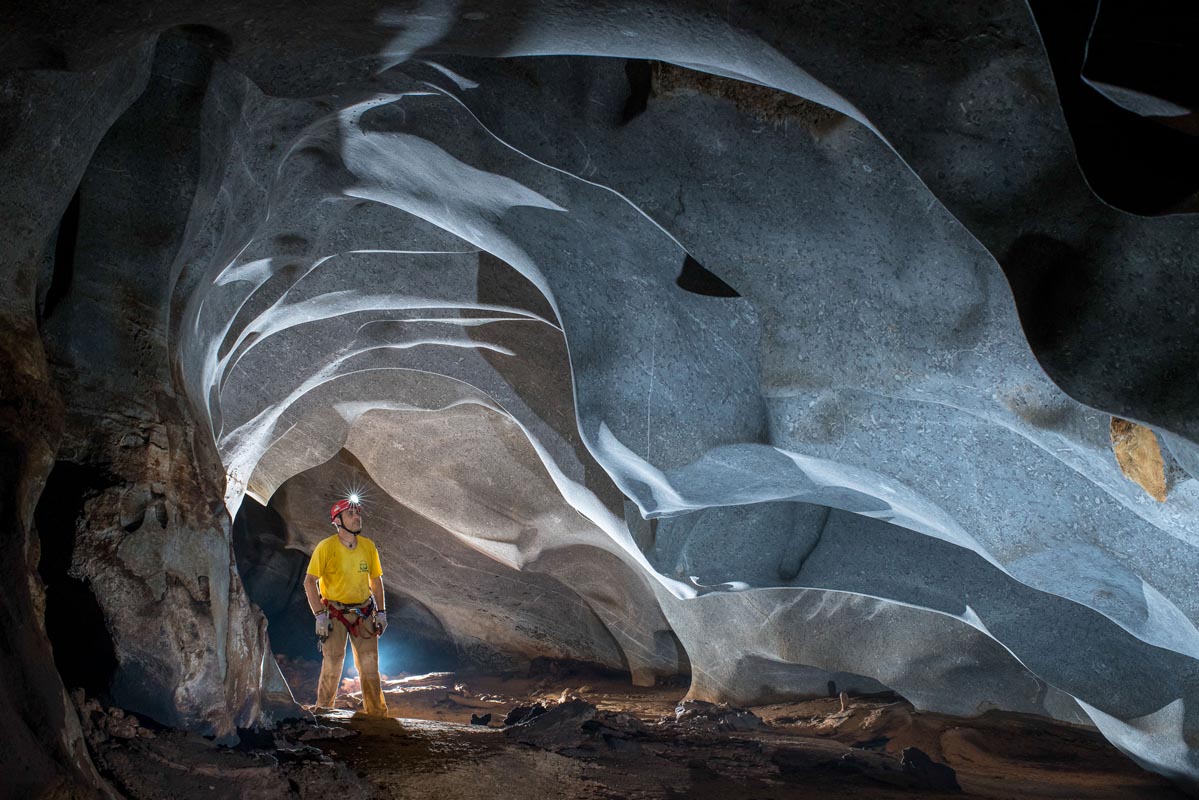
[(338, 611)]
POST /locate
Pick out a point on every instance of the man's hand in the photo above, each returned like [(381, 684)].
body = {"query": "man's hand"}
[(380, 622), (323, 625)]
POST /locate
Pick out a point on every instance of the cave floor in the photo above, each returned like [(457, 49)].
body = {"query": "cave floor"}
[(809, 749), (629, 746)]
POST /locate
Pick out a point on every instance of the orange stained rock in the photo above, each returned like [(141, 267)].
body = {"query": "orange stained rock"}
[(1139, 456)]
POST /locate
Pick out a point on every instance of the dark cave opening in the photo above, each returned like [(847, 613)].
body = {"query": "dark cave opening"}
[(697, 279), (1141, 164), (75, 624), (640, 75)]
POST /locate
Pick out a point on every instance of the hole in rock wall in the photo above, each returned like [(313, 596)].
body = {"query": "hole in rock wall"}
[(1138, 162), (83, 650), (640, 76), (695, 278)]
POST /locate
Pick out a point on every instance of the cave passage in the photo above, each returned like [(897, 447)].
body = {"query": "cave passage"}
[(737, 399)]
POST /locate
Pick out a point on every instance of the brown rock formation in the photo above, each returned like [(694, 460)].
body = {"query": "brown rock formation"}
[(41, 744), (1139, 456)]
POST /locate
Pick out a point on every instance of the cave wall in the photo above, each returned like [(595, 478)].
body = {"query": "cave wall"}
[(136, 533), (780, 343), (152, 541), (42, 745)]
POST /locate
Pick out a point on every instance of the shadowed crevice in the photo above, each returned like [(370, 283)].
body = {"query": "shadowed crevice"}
[(83, 649), (695, 278), (63, 268), (1133, 162), (1051, 282), (640, 77)]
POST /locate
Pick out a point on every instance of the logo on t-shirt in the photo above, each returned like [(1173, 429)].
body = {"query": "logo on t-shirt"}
[(362, 567)]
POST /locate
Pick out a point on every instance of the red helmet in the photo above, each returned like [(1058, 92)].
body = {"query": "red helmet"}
[(342, 505)]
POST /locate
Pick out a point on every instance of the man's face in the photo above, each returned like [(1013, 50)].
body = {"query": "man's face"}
[(351, 519)]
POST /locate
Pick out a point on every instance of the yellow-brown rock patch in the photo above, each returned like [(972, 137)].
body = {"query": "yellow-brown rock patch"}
[(1139, 456)]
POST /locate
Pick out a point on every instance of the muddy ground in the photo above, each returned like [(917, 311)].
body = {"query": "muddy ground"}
[(597, 737)]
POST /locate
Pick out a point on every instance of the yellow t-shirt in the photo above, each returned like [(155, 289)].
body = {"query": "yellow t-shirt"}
[(345, 574)]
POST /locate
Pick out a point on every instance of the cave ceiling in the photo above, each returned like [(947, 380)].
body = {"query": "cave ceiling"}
[(780, 343)]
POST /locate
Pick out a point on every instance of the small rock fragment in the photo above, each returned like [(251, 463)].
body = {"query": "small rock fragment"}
[(720, 717), (316, 732), (524, 713), (122, 730), (558, 728), (1139, 456), (927, 773)]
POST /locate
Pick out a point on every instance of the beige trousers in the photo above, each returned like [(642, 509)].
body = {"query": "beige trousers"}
[(366, 661)]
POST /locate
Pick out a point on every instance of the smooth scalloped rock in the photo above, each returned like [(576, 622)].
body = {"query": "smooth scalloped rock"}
[(776, 345)]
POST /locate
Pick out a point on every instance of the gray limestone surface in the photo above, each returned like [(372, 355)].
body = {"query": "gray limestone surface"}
[(777, 343)]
